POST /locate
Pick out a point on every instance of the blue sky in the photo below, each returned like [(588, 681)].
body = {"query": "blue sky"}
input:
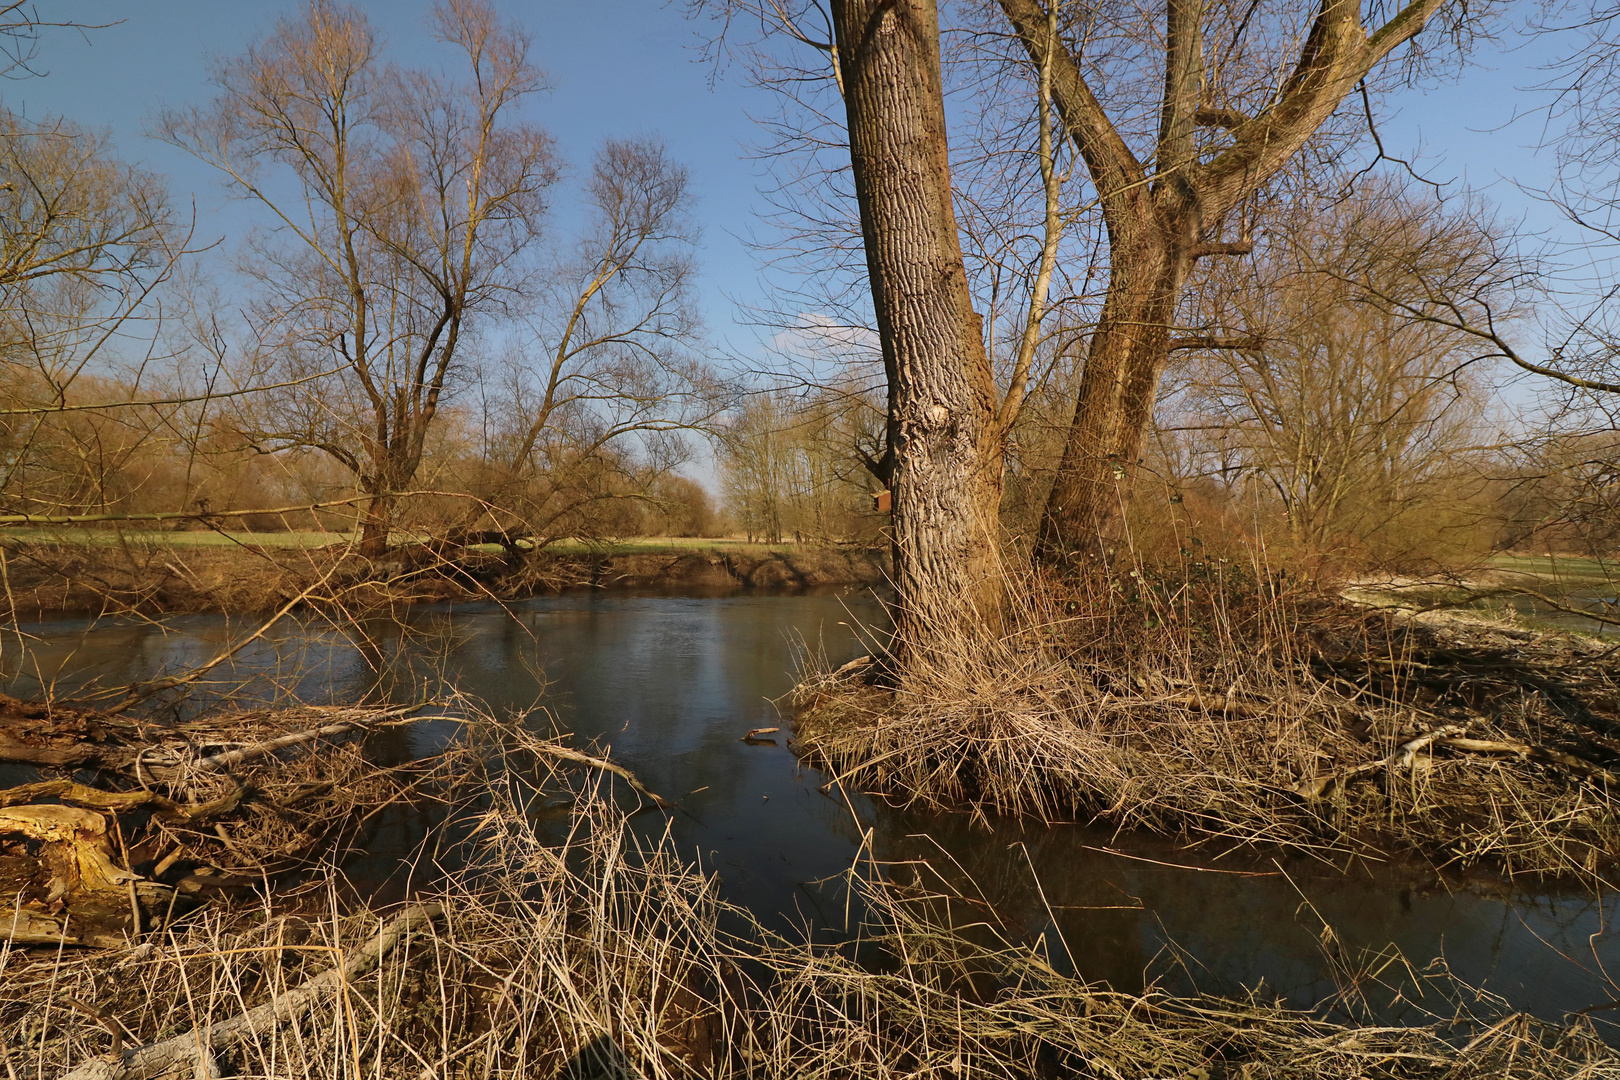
[(617, 67), (631, 67)]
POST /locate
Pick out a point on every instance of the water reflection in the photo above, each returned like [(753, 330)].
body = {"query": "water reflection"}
[(672, 684)]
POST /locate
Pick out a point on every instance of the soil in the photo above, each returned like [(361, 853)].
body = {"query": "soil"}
[(146, 578)]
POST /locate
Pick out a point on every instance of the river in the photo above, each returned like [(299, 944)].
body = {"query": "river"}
[(672, 683)]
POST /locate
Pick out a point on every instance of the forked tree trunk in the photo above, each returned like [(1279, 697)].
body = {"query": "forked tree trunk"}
[(948, 453), (1129, 349), (1166, 211)]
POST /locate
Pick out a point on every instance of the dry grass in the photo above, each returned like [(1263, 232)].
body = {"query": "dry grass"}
[(569, 947), (1237, 708)]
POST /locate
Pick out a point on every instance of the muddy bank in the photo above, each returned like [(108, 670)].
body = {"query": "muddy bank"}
[(717, 568), (154, 578)]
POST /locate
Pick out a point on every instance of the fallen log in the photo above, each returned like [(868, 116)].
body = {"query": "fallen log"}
[(1451, 737), (77, 851), (77, 794), (170, 765), (1531, 752), (197, 1047), (26, 926), (67, 890), (62, 736)]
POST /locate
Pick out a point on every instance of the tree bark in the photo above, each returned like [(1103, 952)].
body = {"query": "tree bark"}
[(1158, 219), (948, 450), (1128, 353), (374, 530)]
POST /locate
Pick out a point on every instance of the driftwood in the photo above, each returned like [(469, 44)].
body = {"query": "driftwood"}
[(247, 753), (79, 854), (28, 926), (860, 663), (1451, 737), (1537, 753), (77, 794), (1315, 786), (70, 891), (61, 736), (605, 765), (57, 736), (194, 1051), (165, 765)]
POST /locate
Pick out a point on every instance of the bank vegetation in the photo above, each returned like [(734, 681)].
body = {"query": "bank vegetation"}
[(542, 933)]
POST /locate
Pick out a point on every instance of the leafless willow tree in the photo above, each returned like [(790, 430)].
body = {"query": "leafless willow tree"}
[(1365, 428), (1234, 109), (405, 205), (607, 371), (85, 241)]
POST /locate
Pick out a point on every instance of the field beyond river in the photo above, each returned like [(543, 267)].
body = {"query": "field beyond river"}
[(51, 572)]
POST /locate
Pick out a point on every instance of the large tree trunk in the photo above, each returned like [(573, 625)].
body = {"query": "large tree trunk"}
[(948, 453), (1129, 350)]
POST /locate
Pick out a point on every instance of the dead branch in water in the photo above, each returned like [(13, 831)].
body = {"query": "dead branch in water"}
[(564, 754)]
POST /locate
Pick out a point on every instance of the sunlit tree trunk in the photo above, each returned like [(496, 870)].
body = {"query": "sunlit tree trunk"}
[(948, 458), (1166, 211)]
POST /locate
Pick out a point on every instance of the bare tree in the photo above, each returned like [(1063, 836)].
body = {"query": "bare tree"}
[(787, 471), (948, 432), (1358, 421), (405, 206), (85, 242), (1230, 117), (948, 415), (611, 355)]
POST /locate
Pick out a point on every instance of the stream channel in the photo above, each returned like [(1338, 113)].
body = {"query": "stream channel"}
[(672, 683)]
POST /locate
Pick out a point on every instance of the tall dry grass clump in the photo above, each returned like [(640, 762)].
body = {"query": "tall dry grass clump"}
[(550, 940), (1236, 706)]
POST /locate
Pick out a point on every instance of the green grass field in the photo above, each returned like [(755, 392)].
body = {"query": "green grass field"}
[(1555, 570)]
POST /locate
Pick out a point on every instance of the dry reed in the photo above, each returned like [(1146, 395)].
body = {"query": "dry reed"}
[(1238, 708), (577, 947)]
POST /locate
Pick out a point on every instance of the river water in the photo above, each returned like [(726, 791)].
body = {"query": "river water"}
[(672, 683)]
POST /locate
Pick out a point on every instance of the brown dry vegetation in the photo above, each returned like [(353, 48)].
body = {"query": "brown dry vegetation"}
[(118, 575), (1232, 709), (564, 945)]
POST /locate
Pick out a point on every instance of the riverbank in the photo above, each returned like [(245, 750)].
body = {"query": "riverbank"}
[(1242, 713), (245, 574), (543, 935)]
